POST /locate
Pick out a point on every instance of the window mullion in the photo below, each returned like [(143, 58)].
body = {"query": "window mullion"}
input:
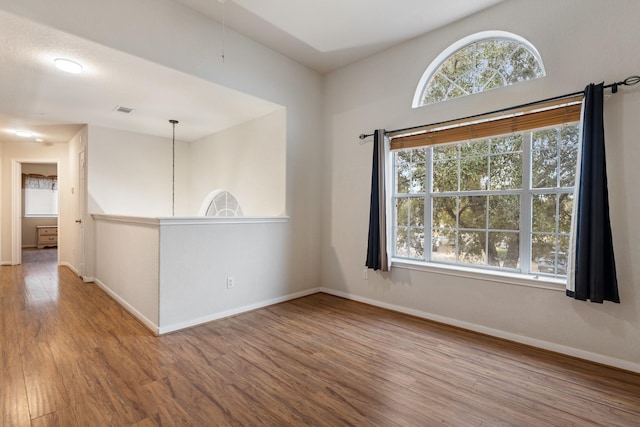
[(486, 205), (457, 230), (393, 199), (557, 195), (428, 205), (525, 205)]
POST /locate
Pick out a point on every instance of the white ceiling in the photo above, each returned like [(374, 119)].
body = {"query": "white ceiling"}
[(54, 105), (322, 34), (328, 34)]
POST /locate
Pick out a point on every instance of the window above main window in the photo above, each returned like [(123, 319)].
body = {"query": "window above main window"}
[(478, 63)]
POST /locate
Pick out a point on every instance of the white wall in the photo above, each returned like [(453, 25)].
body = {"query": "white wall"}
[(196, 258), (580, 41), (127, 265), (248, 160), (131, 173), (46, 169)]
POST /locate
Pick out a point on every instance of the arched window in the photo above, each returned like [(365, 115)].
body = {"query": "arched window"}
[(477, 63), (220, 203)]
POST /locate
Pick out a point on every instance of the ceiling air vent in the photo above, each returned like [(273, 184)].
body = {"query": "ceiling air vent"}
[(121, 109)]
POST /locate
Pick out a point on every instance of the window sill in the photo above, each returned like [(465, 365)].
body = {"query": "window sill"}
[(40, 216), (542, 282)]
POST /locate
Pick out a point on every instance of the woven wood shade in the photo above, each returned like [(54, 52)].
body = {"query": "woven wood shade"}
[(564, 111)]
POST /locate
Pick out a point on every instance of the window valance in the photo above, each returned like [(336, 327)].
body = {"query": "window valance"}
[(40, 182), (554, 113)]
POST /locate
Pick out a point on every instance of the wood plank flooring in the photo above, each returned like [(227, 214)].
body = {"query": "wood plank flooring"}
[(71, 356)]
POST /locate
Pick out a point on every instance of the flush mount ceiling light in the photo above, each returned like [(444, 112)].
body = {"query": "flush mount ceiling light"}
[(24, 133), (68, 65)]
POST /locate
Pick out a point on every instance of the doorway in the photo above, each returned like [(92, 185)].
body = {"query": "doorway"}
[(35, 204), (68, 163), (39, 206)]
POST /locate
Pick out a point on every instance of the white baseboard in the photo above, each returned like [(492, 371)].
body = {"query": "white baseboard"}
[(70, 267), (75, 271), (145, 321), (205, 319), (557, 348), (234, 311), (5, 263)]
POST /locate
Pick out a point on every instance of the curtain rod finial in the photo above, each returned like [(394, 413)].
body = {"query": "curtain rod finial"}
[(632, 80), (362, 136)]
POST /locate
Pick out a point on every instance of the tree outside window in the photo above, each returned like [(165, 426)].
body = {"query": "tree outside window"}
[(490, 203), (479, 63)]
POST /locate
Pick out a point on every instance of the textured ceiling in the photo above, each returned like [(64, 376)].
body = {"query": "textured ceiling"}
[(54, 105)]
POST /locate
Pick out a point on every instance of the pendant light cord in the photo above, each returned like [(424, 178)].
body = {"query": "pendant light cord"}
[(173, 176), (224, 29)]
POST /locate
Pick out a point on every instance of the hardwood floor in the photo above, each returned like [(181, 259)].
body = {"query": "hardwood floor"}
[(72, 356)]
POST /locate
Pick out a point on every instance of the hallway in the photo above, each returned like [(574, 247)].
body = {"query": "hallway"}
[(50, 326)]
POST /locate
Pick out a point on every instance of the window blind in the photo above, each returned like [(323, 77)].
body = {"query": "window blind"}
[(553, 113)]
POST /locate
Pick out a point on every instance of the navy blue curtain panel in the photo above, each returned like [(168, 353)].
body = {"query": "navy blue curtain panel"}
[(376, 248), (595, 268)]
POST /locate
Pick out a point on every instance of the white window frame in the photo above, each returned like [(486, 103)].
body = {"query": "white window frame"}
[(461, 44), (522, 277), (54, 199)]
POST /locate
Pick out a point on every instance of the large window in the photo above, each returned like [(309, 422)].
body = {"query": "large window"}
[(499, 203)]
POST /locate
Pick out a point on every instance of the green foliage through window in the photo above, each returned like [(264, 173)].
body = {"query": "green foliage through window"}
[(500, 203), (479, 66)]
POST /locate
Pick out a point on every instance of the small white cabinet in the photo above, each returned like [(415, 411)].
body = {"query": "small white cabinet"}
[(47, 236)]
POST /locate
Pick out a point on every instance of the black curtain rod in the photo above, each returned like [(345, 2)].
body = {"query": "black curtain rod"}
[(629, 81)]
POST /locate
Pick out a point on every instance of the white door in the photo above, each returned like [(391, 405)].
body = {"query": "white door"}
[(81, 210), (16, 214)]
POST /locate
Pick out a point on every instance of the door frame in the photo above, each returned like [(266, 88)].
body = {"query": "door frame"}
[(16, 205)]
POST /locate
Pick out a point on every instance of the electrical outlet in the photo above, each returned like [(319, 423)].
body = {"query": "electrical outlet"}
[(365, 274), (230, 282)]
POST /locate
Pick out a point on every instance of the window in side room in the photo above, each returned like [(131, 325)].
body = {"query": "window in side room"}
[(40, 195)]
